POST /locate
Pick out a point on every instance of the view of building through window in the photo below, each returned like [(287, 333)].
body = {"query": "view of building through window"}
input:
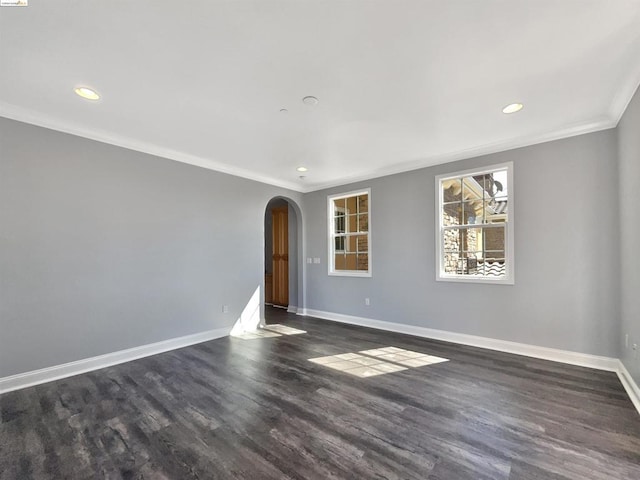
[(473, 216), (349, 230)]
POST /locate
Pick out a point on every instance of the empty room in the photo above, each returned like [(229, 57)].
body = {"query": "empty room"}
[(320, 239)]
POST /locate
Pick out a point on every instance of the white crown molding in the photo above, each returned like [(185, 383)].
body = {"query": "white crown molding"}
[(624, 95), (545, 353), (57, 372), (27, 116), (603, 123), (34, 118), (629, 385)]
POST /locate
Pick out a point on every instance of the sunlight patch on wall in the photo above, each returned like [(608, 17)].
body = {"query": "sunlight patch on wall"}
[(250, 317), (378, 361)]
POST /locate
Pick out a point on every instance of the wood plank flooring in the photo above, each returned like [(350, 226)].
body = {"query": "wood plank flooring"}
[(258, 409)]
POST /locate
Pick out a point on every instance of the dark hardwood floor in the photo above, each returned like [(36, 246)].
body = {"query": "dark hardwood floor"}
[(258, 409)]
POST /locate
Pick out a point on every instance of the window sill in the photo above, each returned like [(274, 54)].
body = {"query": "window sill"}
[(470, 279), (349, 274)]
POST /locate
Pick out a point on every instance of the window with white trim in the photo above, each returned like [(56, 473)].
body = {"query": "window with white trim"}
[(475, 225), (349, 234)]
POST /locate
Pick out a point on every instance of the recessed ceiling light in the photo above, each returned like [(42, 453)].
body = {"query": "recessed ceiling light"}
[(302, 169), (310, 100), (512, 108), (87, 93)]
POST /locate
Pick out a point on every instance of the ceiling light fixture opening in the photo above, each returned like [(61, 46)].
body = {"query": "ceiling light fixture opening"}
[(87, 93), (512, 108), (310, 100)]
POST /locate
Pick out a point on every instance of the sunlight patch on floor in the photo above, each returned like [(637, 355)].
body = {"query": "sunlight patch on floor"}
[(378, 361), (257, 334), (283, 329), (404, 357), (270, 331)]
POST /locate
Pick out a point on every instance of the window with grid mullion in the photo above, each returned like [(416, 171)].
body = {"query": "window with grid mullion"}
[(349, 247), (475, 239)]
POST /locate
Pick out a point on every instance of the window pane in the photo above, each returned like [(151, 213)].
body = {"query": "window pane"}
[(470, 264), (340, 224), (452, 214), (352, 206), (338, 206), (451, 240), (363, 204), (452, 190), (352, 222), (484, 182), (351, 243), (451, 262), (494, 239), (472, 212), (471, 190), (363, 261), (497, 184), (362, 243), (471, 240), (495, 210), (494, 264), (339, 244), (461, 264), (363, 223), (350, 261)]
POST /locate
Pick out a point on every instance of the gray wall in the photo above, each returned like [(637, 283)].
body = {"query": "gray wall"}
[(566, 236), (293, 256), (103, 248), (629, 154)]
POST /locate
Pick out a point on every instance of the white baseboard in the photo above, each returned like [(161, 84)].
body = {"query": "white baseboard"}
[(545, 353), (292, 309), (629, 385), (57, 372), (49, 374)]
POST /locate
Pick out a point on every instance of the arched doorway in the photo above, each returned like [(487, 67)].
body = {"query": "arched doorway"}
[(283, 257)]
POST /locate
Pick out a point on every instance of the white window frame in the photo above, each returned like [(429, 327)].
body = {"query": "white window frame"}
[(509, 277), (331, 234)]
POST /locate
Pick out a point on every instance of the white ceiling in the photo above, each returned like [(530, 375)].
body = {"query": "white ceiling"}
[(402, 83)]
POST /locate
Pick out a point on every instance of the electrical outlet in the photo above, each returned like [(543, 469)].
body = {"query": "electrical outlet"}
[(309, 260), (225, 308), (366, 301), (316, 260)]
